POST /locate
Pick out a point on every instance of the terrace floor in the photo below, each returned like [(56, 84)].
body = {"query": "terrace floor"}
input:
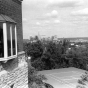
[(63, 78)]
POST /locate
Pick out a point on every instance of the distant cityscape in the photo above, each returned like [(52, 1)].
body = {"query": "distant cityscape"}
[(56, 39)]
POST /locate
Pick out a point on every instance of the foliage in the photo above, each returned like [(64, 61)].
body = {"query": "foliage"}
[(34, 50), (80, 86), (35, 79), (83, 80), (79, 57), (38, 64), (48, 85), (49, 54)]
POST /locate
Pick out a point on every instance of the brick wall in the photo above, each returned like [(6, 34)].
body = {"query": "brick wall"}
[(13, 9), (15, 73)]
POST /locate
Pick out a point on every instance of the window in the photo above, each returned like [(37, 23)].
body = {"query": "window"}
[(1, 41), (13, 39), (8, 38)]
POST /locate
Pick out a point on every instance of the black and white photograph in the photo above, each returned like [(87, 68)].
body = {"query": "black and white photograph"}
[(43, 43)]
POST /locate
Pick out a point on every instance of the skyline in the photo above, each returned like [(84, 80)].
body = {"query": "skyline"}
[(64, 18)]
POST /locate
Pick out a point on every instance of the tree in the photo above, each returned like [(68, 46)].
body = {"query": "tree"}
[(78, 56), (35, 79), (34, 49)]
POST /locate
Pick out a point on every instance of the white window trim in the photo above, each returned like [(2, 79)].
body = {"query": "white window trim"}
[(11, 40), (16, 38), (5, 40)]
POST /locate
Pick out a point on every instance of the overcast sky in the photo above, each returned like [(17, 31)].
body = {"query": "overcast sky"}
[(64, 18)]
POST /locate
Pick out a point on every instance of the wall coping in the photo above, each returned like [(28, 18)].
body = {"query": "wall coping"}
[(22, 52)]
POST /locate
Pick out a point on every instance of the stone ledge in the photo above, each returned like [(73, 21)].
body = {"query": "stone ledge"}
[(20, 53)]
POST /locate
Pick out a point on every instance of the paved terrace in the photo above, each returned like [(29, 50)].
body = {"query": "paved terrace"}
[(63, 78)]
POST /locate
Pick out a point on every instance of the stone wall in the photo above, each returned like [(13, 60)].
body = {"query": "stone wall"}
[(15, 72), (18, 78)]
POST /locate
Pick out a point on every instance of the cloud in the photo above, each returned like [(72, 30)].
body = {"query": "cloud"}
[(56, 21), (38, 23), (53, 14), (65, 3), (47, 21), (82, 12), (48, 14)]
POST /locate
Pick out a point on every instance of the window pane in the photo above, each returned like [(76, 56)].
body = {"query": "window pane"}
[(13, 39), (8, 39), (1, 41)]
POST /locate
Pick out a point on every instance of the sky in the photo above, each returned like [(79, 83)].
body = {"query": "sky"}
[(64, 18)]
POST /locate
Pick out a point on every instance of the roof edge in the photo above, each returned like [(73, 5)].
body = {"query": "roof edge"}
[(20, 0), (5, 18)]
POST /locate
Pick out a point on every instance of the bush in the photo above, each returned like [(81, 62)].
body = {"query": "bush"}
[(48, 85), (83, 80)]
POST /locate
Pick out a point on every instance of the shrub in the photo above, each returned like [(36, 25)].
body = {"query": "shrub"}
[(83, 80), (36, 80)]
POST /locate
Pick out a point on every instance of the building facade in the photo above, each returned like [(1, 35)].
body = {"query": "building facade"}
[(12, 72), (13, 9), (11, 38)]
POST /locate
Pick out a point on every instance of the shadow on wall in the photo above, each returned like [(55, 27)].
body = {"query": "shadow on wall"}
[(10, 64)]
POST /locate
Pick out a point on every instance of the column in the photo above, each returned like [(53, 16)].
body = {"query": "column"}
[(5, 40)]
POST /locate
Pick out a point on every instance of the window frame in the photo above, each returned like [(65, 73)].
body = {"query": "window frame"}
[(6, 57)]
